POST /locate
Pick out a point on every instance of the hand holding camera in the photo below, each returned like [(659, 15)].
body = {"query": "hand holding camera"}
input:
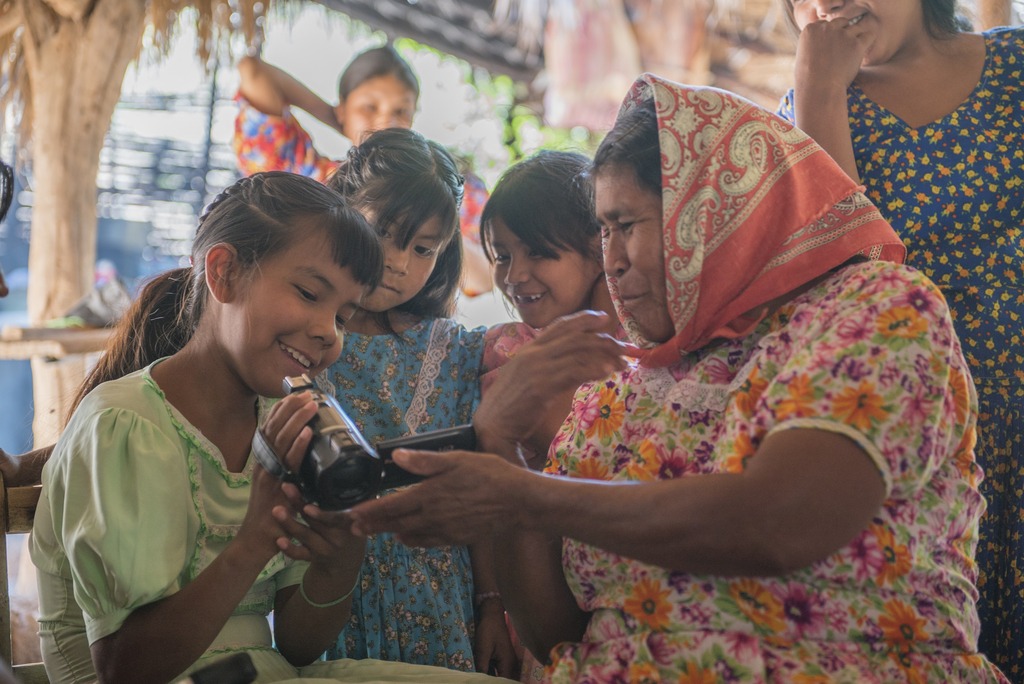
[(340, 467)]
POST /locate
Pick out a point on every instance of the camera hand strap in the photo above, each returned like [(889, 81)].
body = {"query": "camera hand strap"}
[(268, 459)]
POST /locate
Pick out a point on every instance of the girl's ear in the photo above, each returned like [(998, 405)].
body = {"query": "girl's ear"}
[(222, 275)]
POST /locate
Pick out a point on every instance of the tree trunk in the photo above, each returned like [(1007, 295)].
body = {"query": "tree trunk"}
[(76, 55), (673, 38), (76, 68)]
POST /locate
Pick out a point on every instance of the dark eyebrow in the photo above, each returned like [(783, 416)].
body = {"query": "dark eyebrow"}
[(427, 236), (316, 275), (611, 215)]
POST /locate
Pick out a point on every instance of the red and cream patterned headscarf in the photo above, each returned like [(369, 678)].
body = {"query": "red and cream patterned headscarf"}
[(752, 209)]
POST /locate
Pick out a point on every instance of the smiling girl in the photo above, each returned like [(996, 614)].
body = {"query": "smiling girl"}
[(378, 89), (542, 238), (160, 544)]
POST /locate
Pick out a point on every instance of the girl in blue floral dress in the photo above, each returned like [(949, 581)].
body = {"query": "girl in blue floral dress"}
[(406, 368), (930, 118)]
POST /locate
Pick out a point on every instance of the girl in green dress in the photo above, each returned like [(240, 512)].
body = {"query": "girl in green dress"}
[(161, 544)]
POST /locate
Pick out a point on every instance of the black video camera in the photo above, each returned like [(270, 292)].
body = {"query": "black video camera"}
[(341, 468)]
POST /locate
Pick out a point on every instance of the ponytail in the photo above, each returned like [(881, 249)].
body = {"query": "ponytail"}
[(259, 216), (154, 326)]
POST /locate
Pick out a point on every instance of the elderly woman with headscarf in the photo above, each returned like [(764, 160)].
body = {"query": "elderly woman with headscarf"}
[(783, 488)]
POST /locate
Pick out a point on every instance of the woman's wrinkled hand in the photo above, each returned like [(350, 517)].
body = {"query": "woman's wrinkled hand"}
[(466, 497), (569, 352)]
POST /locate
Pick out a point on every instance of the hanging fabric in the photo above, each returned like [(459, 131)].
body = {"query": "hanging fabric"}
[(591, 57)]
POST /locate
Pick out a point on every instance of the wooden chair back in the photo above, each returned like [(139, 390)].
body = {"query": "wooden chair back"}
[(18, 507)]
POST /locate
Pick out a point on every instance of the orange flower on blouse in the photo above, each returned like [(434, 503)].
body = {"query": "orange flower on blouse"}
[(860, 406), (648, 604)]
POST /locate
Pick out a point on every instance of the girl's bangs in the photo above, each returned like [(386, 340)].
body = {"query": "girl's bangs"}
[(406, 211)]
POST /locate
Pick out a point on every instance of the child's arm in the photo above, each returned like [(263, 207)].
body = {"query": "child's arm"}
[(270, 89), (308, 617), (492, 647), (25, 469), (191, 618), (528, 564)]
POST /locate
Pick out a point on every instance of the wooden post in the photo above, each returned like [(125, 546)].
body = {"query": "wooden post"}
[(992, 13), (673, 38), (77, 52)]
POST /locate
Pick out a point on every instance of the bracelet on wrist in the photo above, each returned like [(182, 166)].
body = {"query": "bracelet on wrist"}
[(480, 598), (327, 604)]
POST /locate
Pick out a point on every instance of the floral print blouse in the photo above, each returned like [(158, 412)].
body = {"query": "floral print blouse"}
[(869, 353)]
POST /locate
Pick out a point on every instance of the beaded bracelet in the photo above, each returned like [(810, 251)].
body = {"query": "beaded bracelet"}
[(480, 598), (328, 604)]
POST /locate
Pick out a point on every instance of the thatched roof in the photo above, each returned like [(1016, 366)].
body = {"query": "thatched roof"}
[(750, 48), (464, 28)]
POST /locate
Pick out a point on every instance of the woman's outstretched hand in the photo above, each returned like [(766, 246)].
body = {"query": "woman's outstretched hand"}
[(466, 497)]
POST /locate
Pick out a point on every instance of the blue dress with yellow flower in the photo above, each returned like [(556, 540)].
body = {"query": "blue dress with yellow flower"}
[(954, 190), (412, 605)]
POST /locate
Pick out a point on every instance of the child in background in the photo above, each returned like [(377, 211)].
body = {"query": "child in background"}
[(406, 368), (161, 544), (540, 234), (378, 89)]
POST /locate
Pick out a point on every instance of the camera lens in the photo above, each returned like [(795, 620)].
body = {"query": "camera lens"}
[(351, 476)]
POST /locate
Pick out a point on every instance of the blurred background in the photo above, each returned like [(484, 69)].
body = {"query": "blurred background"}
[(498, 81)]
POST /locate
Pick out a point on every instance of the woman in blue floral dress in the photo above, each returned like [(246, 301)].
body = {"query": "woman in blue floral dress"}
[(931, 119)]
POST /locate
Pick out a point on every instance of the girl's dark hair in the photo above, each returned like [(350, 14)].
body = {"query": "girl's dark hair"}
[(633, 143), (545, 201), (942, 18), (373, 63), (260, 216), (147, 331), (404, 180), (6, 189)]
